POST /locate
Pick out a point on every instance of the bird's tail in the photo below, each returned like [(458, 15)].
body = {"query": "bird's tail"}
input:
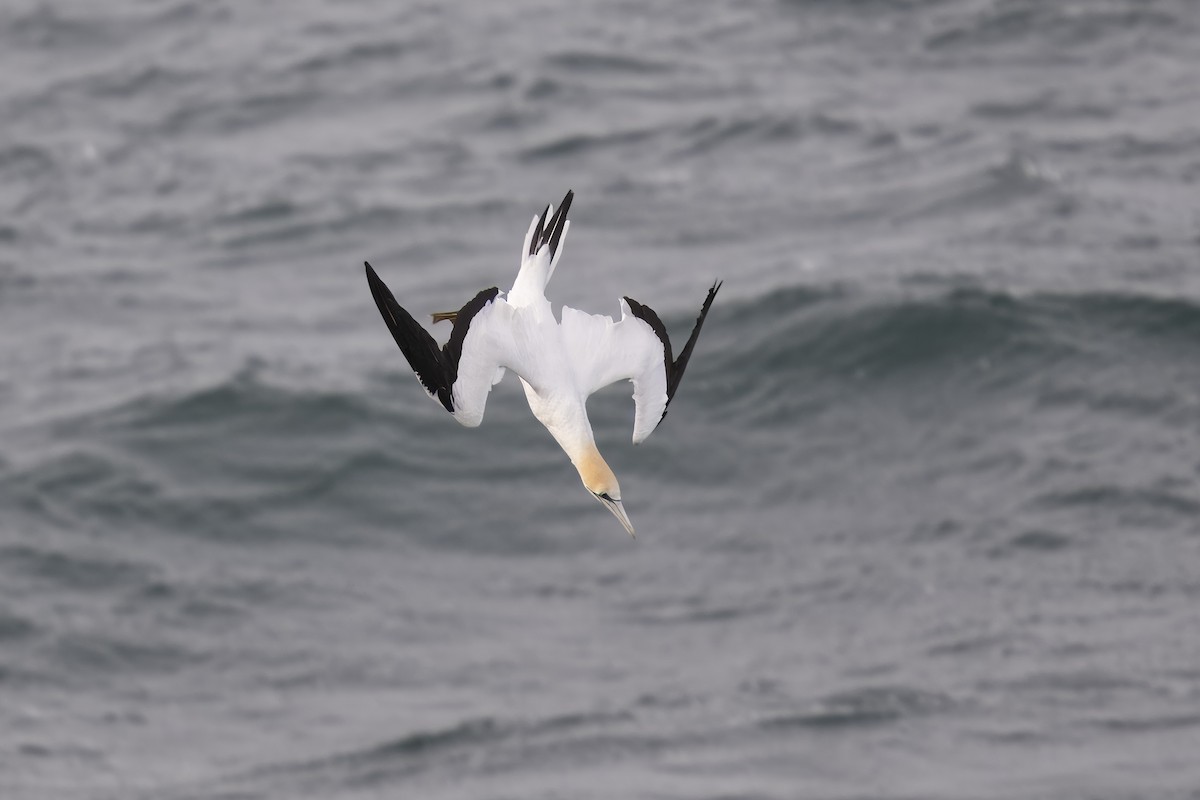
[(542, 249)]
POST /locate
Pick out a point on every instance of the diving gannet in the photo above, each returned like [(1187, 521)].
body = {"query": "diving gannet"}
[(560, 363)]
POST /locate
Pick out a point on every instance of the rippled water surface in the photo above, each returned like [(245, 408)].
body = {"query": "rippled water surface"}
[(924, 520)]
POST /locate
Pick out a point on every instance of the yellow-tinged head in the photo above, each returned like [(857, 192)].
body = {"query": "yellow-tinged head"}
[(602, 483)]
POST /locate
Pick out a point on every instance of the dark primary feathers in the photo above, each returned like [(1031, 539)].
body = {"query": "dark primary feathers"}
[(436, 368), (676, 367)]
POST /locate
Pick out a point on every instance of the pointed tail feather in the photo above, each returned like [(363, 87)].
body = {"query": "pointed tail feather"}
[(542, 249), (551, 232), (538, 233)]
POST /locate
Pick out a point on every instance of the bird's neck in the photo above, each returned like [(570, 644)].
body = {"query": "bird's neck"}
[(566, 419), (575, 438), (593, 469), (581, 449)]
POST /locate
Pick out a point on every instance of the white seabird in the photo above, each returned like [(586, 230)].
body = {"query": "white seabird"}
[(560, 363)]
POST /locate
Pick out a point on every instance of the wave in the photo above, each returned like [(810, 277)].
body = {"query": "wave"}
[(15, 628), (577, 144), (593, 61), (25, 162), (868, 706), (843, 332), (486, 742), (249, 459), (70, 654), (71, 571), (1047, 25)]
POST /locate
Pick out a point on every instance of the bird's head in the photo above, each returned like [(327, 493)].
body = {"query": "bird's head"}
[(602, 483)]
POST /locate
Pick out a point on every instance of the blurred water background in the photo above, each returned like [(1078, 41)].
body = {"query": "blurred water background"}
[(924, 519)]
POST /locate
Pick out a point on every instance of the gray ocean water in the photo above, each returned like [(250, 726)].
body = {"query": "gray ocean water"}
[(924, 519)]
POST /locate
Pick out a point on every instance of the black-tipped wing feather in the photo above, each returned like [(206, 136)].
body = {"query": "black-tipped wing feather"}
[(635, 348), (494, 340), (436, 368), (673, 366)]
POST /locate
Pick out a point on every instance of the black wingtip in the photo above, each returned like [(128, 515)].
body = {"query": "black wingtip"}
[(716, 287), (674, 366), (372, 277), (379, 289), (676, 373), (431, 365)]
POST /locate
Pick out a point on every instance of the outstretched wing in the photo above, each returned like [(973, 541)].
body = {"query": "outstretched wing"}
[(674, 368), (604, 352), (637, 349), (461, 373)]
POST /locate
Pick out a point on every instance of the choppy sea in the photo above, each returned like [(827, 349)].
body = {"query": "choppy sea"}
[(924, 519)]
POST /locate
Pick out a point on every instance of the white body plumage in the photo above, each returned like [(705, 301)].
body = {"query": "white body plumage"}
[(560, 362)]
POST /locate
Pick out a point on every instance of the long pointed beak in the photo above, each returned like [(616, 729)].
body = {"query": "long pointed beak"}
[(618, 511)]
